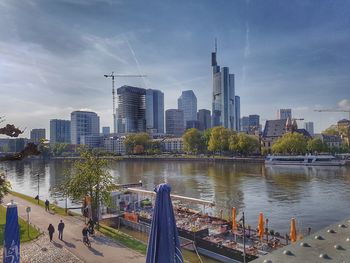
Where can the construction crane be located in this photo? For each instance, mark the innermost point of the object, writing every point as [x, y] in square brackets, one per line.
[113, 76]
[333, 110]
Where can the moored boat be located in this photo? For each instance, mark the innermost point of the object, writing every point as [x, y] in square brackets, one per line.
[304, 160]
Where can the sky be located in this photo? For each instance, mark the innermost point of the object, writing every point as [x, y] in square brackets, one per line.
[284, 54]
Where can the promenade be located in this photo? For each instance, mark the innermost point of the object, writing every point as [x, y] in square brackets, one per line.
[103, 249]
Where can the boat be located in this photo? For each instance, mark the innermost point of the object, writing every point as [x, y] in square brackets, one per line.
[304, 160]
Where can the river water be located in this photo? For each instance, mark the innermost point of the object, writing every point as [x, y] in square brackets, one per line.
[315, 196]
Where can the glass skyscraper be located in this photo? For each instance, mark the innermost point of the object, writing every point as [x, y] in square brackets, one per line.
[154, 111]
[187, 102]
[59, 131]
[84, 123]
[174, 121]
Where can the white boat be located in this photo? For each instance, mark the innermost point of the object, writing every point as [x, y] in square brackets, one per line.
[305, 160]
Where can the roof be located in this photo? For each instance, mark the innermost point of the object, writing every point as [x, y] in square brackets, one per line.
[275, 128]
[331, 138]
[304, 132]
[344, 121]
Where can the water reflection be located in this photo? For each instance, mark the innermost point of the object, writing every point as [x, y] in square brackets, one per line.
[316, 196]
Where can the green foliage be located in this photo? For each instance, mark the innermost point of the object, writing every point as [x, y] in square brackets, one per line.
[89, 177]
[331, 131]
[290, 143]
[316, 145]
[192, 141]
[5, 186]
[243, 143]
[134, 141]
[219, 139]
[58, 149]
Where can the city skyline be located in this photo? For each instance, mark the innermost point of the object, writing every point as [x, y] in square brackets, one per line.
[57, 68]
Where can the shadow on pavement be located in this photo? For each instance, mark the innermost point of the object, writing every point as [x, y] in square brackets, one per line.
[96, 252]
[71, 245]
[57, 244]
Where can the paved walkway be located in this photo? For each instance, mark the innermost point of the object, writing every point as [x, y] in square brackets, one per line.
[103, 249]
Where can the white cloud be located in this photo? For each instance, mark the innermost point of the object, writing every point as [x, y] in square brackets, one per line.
[344, 104]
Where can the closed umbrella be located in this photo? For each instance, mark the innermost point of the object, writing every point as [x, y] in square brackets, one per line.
[11, 252]
[163, 243]
[261, 226]
[293, 230]
[234, 222]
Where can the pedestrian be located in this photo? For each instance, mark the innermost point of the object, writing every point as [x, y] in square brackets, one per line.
[51, 230]
[47, 205]
[60, 230]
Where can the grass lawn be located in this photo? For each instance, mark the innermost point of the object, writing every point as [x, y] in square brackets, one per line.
[124, 239]
[33, 232]
[58, 210]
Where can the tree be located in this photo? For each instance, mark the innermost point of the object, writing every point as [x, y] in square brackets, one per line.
[331, 131]
[247, 144]
[89, 177]
[141, 139]
[58, 149]
[316, 145]
[233, 142]
[192, 141]
[290, 143]
[5, 187]
[219, 139]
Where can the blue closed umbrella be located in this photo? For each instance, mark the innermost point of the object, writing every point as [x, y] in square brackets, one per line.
[163, 243]
[11, 253]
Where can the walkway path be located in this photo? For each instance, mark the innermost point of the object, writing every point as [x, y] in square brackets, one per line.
[103, 249]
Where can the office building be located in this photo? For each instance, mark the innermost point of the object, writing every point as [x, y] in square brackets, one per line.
[154, 111]
[223, 104]
[187, 102]
[192, 124]
[238, 113]
[84, 123]
[204, 119]
[244, 124]
[309, 126]
[114, 144]
[106, 130]
[283, 114]
[131, 112]
[174, 122]
[36, 135]
[59, 131]
[250, 124]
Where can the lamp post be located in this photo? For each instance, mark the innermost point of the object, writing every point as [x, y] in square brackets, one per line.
[38, 187]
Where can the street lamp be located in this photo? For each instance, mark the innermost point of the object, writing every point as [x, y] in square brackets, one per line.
[38, 187]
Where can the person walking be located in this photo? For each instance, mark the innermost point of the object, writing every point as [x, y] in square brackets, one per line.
[51, 230]
[47, 205]
[60, 230]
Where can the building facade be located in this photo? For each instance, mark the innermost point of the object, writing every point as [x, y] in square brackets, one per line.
[174, 122]
[131, 112]
[60, 131]
[192, 124]
[309, 126]
[250, 124]
[106, 130]
[283, 114]
[114, 144]
[84, 123]
[187, 102]
[36, 135]
[223, 105]
[204, 119]
[238, 112]
[154, 111]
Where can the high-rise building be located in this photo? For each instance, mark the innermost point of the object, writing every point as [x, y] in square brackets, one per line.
[223, 107]
[84, 123]
[245, 124]
[154, 111]
[250, 124]
[59, 131]
[174, 122]
[283, 114]
[106, 130]
[131, 112]
[36, 135]
[309, 127]
[187, 102]
[192, 124]
[204, 119]
[238, 112]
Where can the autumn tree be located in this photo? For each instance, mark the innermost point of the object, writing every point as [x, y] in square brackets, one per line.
[219, 140]
[192, 141]
[290, 143]
[134, 141]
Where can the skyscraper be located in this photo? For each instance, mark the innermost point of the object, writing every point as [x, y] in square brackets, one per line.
[174, 122]
[60, 131]
[224, 110]
[204, 119]
[309, 127]
[84, 123]
[106, 130]
[187, 102]
[37, 134]
[245, 124]
[238, 113]
[154, 111]
[283, 114]
[131, 112]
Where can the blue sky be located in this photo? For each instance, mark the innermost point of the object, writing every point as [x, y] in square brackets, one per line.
[53, 55]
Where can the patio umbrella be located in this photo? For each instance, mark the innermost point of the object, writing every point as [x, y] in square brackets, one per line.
[293, 230]
[261, 225]
[11, 252]
[163, 243]
[234, 222]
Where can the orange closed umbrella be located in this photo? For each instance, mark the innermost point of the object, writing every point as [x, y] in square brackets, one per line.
[293, 230]
[234, 223]
[261, 225]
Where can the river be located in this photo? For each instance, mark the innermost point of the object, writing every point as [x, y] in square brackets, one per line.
[315, 196]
